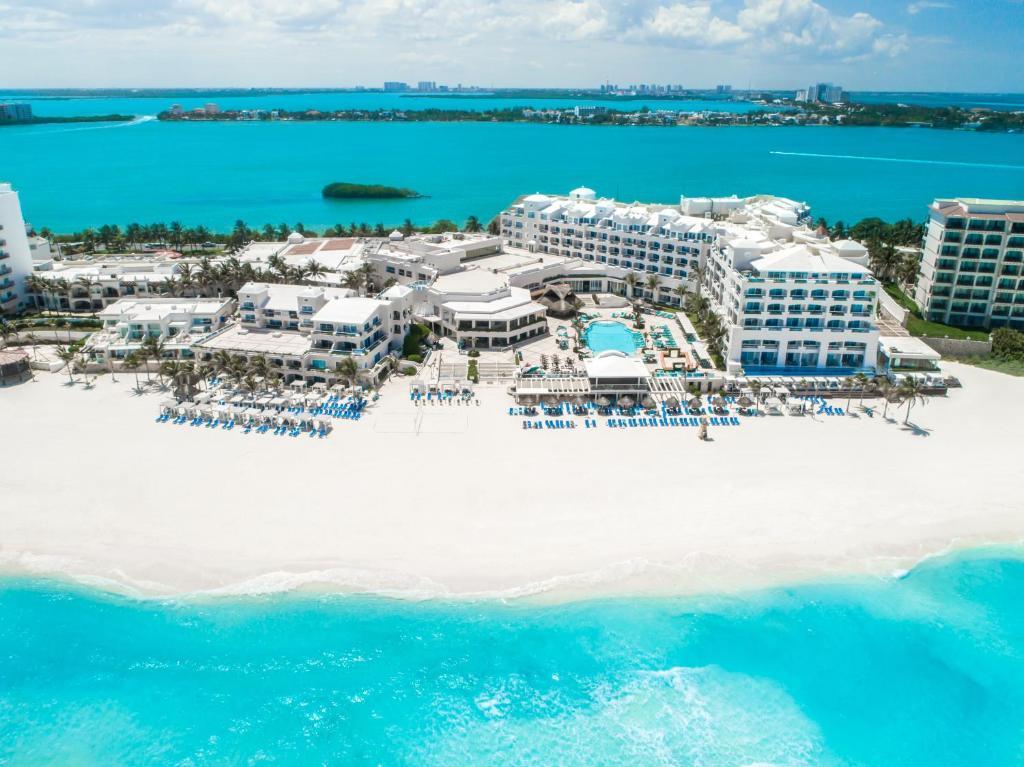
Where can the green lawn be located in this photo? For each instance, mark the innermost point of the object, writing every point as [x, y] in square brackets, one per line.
[919, 326]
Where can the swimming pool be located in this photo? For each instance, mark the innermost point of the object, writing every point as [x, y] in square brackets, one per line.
[607, 335]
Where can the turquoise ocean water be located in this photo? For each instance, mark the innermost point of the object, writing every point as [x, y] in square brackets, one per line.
[74, 176]
[924, 671]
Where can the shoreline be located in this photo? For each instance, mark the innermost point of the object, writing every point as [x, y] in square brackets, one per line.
[472, 507]
[575, 589]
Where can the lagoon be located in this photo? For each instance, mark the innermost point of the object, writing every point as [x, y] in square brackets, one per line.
[74, 176]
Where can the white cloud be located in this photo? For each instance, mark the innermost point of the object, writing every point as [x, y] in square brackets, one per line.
[790, 29]
[924, 5]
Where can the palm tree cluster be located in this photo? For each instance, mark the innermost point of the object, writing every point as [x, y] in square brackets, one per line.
[114, 238]
[707, 322]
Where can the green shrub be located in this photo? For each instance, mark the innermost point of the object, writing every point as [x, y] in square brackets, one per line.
[1007, 342]
[407, 370]
[414, 357]
[474, 352]
[414, 339]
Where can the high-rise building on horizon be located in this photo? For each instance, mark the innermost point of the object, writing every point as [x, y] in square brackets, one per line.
[821, 93]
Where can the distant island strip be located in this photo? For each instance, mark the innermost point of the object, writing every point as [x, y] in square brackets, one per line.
[74, 119]
[342, 190]
[788, 113]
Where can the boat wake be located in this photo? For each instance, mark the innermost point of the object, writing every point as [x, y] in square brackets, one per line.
[908, 160]
[137, 120]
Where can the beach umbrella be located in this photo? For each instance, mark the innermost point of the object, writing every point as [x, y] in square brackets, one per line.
[527, 399]
[672, 403]
[648, 401]
[746, 402]
[578, 399]
[695, 404]
[550, 400]
[603, 401]
[626, 400]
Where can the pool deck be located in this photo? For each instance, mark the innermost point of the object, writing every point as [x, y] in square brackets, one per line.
[656, 358]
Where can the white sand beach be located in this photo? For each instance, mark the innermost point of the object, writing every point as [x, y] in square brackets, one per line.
[460, 501]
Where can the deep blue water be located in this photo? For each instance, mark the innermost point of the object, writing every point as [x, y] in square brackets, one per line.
[922, 671]
[74, 176]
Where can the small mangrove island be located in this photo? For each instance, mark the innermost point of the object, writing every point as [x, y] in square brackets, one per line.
[343, 190]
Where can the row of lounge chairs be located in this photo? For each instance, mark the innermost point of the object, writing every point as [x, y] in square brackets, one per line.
[441, 397]
[631, 423]
[227, 424]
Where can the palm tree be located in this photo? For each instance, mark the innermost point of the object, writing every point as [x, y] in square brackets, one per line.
[133, 362]
[631, 281]
[7, 330]
[887, 390]
[258, 367]
[347, 370]
[755, 387]
[153, 348]
[680, 291]
[653, 282]
[203, 371]
[222, 362]
[861, 382]
[183, 377]
[67, 355]
[911, 392]
[315, 269]
[473, 224]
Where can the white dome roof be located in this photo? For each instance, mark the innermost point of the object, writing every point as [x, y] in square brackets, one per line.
[849, 245]
[536, 198]
[396, 235]
[583, 193]
[295, 238]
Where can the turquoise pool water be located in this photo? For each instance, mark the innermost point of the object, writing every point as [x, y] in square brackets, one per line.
[873, 672]
[611, 336]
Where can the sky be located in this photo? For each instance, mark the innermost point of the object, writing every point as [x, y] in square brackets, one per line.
[929, 45]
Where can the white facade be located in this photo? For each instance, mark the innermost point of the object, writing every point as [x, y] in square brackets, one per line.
[479, 309]
[652, 242]
[801, 306]
[15, 255]
[82, 286]
[972, 269]
[177, 322]
[305, 331]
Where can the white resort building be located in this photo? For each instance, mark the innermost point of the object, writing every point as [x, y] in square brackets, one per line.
[179, 323]
[972, 270]
[660, 246]
[479, 309]
[305, 331]
[84, 286]
[804, 306]
[15, 254]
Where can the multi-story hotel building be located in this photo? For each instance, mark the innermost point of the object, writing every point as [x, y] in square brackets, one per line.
[800, 306]
[647, 241]
[972, 269]
[15, 255]
[479, 309]
[177, 322]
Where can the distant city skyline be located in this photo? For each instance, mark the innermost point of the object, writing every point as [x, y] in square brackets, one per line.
[928, 45]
